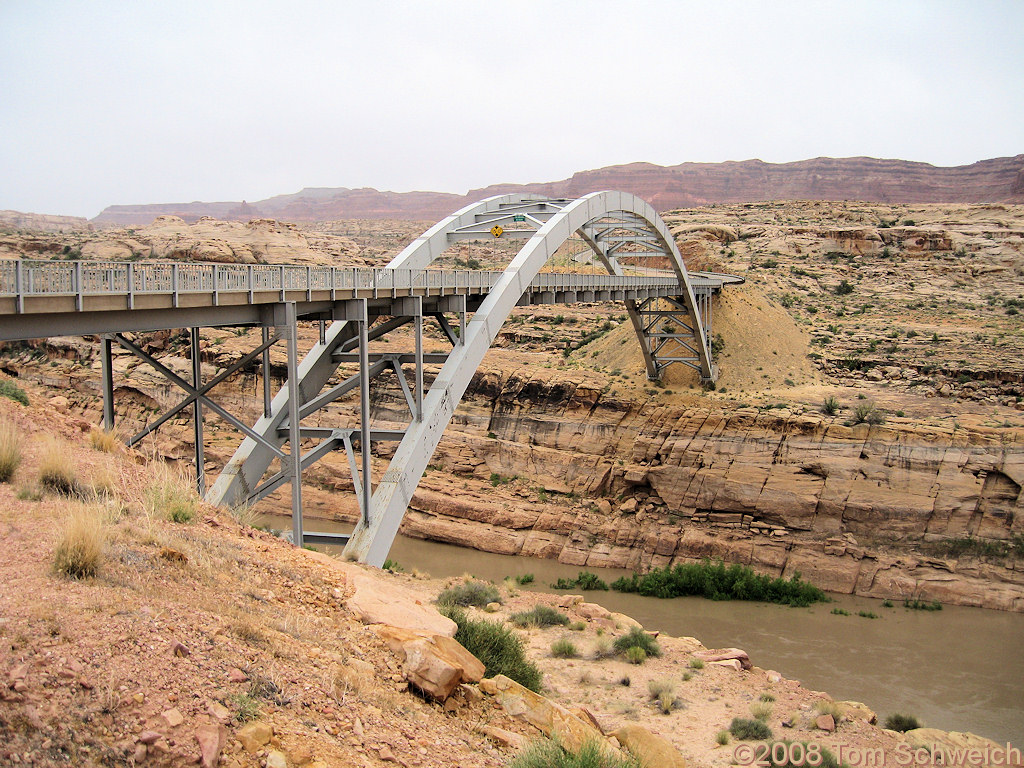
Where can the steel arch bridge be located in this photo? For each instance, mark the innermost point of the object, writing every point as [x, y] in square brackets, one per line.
[669, 308]
[620, 228]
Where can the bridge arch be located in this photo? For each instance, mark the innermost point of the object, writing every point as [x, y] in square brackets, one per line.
[374, 533]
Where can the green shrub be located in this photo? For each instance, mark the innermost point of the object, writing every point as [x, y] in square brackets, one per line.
[830, 406]
[637, 638]
[844, 288]
[524, 579]
[498, 647]
[247, 707]
[887, 604]
[867, 614]
[866, 413]
[564, 648]
[901, 723]
[577, 626]
[696, 664]
[746, 729]
[636, 655]
[392, 566]
[539, 616]
[922, 605]
[475, 593]
[722, 738]
[717, 582]
[547, 753]
[12, 391]
[840, 612]
[10, 450]
[583, 580]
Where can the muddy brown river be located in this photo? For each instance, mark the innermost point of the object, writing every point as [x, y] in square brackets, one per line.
[959, 669]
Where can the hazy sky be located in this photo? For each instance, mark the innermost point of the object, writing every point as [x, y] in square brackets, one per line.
[145, 102]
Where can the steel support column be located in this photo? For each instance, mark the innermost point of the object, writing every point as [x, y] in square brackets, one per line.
[108, 383]
[364, 414]
[197, 413]
[295, 442]
[265, 370]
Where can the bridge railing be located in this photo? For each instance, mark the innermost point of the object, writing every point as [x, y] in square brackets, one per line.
[33, 278]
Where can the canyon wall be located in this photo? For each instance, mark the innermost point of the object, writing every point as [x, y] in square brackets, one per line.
[999, 180]
[552, 468]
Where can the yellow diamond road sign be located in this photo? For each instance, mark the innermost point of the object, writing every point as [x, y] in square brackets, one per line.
[497, 231]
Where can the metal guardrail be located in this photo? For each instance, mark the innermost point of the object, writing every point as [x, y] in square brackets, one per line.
[20, 277]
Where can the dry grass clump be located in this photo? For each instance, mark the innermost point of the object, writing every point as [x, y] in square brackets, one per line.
[10, 450]
[80, 544]
[104, 440]
[171, 497]
[56, 470]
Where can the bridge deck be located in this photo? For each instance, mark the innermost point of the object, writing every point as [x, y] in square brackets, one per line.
[48, 298]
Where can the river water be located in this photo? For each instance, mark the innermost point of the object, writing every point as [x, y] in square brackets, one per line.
[958, 669]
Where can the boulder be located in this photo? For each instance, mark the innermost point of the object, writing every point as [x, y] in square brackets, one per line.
[376, 603]
[212, 739]
[854, 710]
[825, 723]
[254, 735]
[651, 750]
[554, 720]
[593, 611]
[725, 654]
[435, 664]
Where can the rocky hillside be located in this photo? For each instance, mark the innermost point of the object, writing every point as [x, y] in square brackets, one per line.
[1000, 180]
[139, 627]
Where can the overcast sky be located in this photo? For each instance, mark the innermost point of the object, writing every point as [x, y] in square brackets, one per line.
[145, 102]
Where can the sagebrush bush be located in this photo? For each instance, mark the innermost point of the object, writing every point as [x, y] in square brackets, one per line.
[548, 753]
[499, 648]
[80, 544]
[475, 593]
[564, 648]
[56, 471]
[13, 392]
[746, 729]
[637, 638]
[10, 450]
[902, 723]
[539, 616]
[171, 497]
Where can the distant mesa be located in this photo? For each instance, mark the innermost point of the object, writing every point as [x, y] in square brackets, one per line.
[1000, 180]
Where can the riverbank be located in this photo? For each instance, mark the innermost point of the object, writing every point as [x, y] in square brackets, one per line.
[899, 662]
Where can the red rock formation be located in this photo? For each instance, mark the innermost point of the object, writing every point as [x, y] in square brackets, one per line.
[1000, 180]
